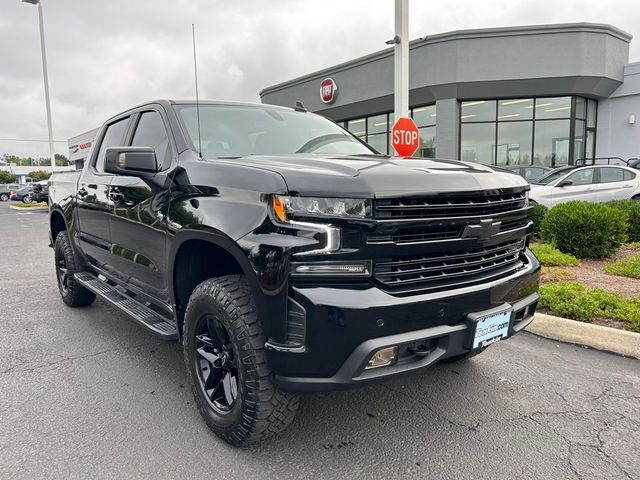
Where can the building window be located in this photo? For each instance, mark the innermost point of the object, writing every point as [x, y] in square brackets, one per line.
[425, 118]
[376, 130]
[551, 131]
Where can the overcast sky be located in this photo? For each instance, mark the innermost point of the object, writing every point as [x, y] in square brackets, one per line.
[105, 56]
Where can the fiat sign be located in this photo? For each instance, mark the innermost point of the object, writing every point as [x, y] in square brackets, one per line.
[328, 90]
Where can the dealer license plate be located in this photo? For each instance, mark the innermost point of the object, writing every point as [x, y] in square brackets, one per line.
[491, 328]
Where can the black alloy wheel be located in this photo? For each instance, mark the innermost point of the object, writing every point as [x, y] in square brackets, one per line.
[63, 274]
[216, 364]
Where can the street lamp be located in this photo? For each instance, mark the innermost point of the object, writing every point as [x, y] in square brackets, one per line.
[46, 80]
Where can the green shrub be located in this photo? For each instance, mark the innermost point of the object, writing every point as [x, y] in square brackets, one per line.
[586, 230]
[574, 300]
[628, 267]
[632, 209]
[537, 215]
[552, 257]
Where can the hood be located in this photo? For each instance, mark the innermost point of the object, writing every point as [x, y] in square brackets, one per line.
[375, 176]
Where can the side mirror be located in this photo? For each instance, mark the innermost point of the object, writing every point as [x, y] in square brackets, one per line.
[133, 161]
[565, 183]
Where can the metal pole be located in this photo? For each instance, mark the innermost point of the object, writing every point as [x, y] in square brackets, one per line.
[401, 59]
[46, 87]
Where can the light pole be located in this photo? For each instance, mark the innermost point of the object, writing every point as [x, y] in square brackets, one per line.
[46, 80]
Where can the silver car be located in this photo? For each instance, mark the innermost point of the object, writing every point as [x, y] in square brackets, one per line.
[600, 183]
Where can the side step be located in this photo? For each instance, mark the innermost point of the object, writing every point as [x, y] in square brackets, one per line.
[142, 314]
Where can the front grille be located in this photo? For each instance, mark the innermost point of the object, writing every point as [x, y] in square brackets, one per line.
[451, 206]
[464, 266]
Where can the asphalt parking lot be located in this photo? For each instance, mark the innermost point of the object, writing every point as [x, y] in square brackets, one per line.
[85, 393]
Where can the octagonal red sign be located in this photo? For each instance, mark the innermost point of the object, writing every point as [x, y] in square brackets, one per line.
[405, 137]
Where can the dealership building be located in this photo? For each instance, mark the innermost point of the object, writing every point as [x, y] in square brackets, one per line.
[546, 94]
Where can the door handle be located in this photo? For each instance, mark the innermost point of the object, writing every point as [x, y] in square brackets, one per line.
[627, 186]
[83, 192]
[590, 189]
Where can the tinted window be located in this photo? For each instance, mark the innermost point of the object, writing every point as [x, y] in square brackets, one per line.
[629, 175]
[113, 137]
[581, 177]
[611, 175]
[150, 132]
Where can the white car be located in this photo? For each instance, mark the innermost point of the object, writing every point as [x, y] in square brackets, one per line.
[599, 183]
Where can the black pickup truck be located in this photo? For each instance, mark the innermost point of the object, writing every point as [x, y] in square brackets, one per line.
[286, 255]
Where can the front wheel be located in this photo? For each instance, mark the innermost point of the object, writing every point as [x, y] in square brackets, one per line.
[4, 197]
[72, 293]
[226, 364]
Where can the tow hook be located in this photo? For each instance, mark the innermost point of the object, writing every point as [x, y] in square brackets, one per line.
[420, 350]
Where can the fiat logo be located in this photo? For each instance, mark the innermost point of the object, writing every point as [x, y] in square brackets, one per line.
[328, 90]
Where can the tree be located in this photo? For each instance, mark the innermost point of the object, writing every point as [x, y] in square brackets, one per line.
[61, 160]
[6, 177]
[38, 175]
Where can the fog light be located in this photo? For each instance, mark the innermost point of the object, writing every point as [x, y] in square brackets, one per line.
[383, 358]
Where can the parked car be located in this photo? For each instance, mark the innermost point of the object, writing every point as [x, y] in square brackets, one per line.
[592, 184]
[286, 255]
[529, 172]
[40, 192]
[22, 194]
[5, 191]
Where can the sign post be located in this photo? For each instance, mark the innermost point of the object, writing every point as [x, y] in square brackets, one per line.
[405, 137]
[401, 59]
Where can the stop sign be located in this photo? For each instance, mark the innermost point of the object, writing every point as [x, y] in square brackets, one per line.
[405, 137]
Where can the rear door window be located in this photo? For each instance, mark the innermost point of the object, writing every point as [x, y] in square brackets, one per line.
[609, 175]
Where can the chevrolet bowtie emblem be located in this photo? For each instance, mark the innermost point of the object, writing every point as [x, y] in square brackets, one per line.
[484, 230]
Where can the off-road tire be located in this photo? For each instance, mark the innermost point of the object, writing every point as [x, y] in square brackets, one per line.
[74, 295]
[261, 409]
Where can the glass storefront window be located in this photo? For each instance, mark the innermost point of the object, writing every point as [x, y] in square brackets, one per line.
[377, 124]
[581, 108]
[556, 107]
[427, 147]
[590, 146]
[514, 143]
[578, 140]
[515, 109]
[478, 111]
[357, 127]
[592, 105]
[477, 142]
[424, 116]
[551, 145]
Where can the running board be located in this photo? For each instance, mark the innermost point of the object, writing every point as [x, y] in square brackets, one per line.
[145, 316]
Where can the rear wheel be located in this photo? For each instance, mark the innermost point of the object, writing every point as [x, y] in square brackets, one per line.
[225, 360]
[72, 293]
[4, 197]
[26, 199]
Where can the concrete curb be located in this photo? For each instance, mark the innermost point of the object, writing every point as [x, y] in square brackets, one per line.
[608, 339]
[29, 209]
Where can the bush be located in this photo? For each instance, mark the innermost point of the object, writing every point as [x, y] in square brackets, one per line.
[586, 230]
[537, 215]
[574, 300]
[551, 256]
[631, 208]
[628, 267]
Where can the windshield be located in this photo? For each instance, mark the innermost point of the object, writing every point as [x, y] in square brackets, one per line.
[237, 131]
[552, 176]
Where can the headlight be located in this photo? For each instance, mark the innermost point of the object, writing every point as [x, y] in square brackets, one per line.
[285, 207]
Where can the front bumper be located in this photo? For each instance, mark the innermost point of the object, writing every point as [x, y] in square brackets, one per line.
[346, 326]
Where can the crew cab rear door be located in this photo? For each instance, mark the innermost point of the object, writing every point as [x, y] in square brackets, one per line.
[93, 205]
[138, 232]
